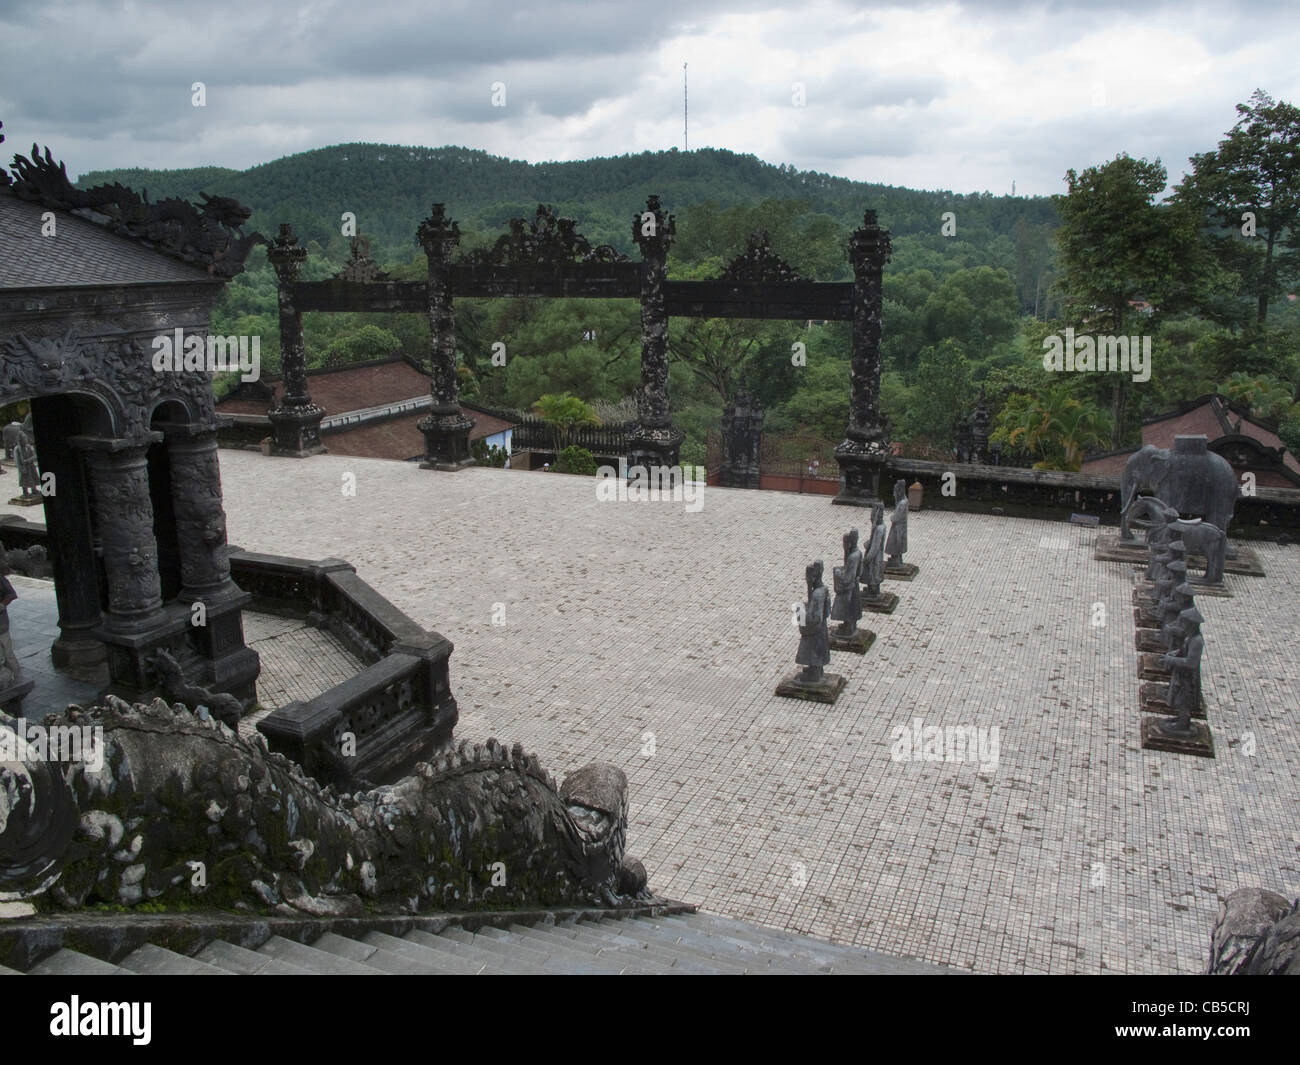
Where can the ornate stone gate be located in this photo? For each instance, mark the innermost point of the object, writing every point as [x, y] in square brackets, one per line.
[548, 257]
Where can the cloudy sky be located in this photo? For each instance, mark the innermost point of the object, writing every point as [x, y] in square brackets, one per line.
[961, 96]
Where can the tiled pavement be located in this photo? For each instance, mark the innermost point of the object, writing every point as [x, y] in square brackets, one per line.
[643, 635]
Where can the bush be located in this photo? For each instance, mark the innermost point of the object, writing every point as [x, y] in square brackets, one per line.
[575, 460]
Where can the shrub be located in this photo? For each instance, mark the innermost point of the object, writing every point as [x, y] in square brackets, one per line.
[575, 460]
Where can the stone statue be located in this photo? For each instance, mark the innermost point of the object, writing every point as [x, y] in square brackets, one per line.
[1185, 676]
[1257, 933]
[814, 653]
[874, 561]
[896, 544]
[29, 476]
[848, 600]
[873, 566]
[10, 671]
[814, 640]
[284, 843]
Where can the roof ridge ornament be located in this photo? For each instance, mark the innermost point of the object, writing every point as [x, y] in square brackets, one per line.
[361, 267]
[207, 235]
[759, 262]
[547, 239]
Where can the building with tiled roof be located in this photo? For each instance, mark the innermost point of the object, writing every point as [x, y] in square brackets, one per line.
[372, 410]
[1251, 446]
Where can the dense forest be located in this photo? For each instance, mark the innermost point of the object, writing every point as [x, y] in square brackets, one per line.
[974, 285]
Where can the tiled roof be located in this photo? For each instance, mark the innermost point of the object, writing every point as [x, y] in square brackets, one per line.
[80, 254]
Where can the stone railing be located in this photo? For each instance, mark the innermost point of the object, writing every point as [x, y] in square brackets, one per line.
[373, 727]
[533, 434]
[1267, 515]
[370, 729]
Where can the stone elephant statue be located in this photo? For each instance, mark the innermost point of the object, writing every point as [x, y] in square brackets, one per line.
[1190, 478]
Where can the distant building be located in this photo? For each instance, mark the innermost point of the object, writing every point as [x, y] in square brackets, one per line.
[1251, 446]
[371, 410]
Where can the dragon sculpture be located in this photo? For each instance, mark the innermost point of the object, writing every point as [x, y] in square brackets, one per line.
[1257, 934]
[181, 810]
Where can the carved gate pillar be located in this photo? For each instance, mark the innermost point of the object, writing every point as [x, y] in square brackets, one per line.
[295, 422]
[215, 602]
[70, 545]
[742, 435]
[135, 622]
[445, 428]
[865, 449]
[653, 440]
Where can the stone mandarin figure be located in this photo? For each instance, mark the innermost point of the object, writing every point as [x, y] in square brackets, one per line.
[814, 639]
[848, 595]
[896, 544]
[873, 573]
[29, 476]
[1185, 676]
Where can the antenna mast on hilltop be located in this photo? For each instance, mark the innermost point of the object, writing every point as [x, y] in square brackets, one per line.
[686, 121]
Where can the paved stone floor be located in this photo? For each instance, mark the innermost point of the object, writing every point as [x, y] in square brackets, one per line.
[650, 637]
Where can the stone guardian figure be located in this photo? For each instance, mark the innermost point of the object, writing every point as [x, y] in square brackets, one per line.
[814, 652]
[896, 543]
[873, 566]
[847, 609]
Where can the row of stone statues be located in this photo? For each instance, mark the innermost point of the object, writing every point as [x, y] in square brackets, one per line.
[857, 585]
[1169, 635]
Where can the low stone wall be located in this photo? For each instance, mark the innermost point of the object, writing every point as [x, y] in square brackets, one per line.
[1270, 514]
[372, 728]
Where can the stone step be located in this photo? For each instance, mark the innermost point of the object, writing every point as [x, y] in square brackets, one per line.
[153, 960]
[802, 952]
[841, 957]
[316, 961]
[9, 972]
[563, 945]
[245, 962]
[457, 941]
[352, 949]
[680, 961]
[445, 958]
[755, 961]
[681, 948]
[551, 958]
[65, 962]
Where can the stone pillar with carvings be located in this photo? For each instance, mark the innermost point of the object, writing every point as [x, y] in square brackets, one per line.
[214, 601]
[653, 440]
[742, 435]
[134, 622]
[863, 453]
[445, 428]
[979, 431]
[295, 421]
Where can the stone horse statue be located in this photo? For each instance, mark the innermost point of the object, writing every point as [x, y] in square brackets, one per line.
[1200, 536]
[1190, 478]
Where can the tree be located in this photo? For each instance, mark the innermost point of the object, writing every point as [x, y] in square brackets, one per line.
[1116, 244]
[564, 413]
[1256, 171]
[1056, 425]
[940, 394]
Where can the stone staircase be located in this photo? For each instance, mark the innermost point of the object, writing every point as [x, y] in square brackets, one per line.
[667, 944]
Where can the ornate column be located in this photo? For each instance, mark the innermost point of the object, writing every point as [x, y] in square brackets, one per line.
[445, 428]
[227, 664]
[742, 434]
[71, 546]
[653, 440]
[134, 623]
[295, 421]
[865, 449]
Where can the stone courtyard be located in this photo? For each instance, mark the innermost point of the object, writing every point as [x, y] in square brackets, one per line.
[652, 637]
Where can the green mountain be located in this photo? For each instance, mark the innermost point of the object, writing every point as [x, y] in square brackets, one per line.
[390, 189]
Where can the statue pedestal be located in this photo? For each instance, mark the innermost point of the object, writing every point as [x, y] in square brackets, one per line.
[1110, 548]
[861, 460]
[446, 440]
[11, 698]
[884, 603]
[1218, 590]
[296, 431]
[826, 690]
[1199, 742]
[1155, 700]
[856, 644]
[904, 572]
[1145, 618]
[26, 501]
[1149, 640]
[1149, 668]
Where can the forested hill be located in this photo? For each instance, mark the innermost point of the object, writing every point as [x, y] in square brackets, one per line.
[390, 188]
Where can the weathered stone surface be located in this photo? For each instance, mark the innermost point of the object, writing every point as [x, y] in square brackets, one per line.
[478, 827]
[1246, 918]
[1196, 739]
[825, 689]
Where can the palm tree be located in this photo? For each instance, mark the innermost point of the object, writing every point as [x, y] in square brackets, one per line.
[564, 413]
[1057, 426]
